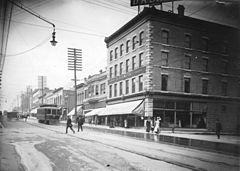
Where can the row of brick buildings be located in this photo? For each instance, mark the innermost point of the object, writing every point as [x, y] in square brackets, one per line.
[167, 65]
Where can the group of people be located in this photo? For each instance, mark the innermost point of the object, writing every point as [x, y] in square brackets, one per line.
[153, 127]
[80, 121]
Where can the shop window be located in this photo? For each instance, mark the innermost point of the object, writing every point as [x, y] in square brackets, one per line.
[164, 82]
[187, 85]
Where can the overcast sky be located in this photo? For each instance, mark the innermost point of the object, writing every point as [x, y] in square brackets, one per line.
[81, 24]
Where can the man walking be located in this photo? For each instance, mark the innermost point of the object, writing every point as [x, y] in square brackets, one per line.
[69, 125]
[80, 122]
[218, 128]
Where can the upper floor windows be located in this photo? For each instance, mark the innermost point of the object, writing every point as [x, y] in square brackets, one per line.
[133, 85]
[188, 41]
[204, 86]
[127, 65]
[224, 88]
[102, 88]
[127, 86]
[121, 49]
[110, 91]
[111, 55]
[205, 44]
[141, 38]
[205, 64]
[164, 82]
[164, 58]
[140, 60]
[127, 46]
[120, 88]
[134, 42]
[115, 90]
[116, 53]
[165, 36]
[115, 70]
[133, 62]
[110, 72]
[187, 61]
[121, 68]
[140, 86]
[186, 85]
[225, 66]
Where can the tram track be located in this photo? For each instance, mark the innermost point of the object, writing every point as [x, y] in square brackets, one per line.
[142, 154]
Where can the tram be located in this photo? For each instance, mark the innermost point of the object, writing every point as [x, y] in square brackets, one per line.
[48, 114]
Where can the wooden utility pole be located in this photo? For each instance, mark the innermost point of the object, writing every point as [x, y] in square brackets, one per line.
[75, 64]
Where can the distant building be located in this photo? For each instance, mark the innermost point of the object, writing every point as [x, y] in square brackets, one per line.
[184, 70]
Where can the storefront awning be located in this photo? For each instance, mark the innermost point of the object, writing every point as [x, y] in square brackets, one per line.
[98, 111]
[34, 110]
[122, 108]
[73, 111]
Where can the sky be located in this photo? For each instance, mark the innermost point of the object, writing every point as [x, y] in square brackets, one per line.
[81, 24]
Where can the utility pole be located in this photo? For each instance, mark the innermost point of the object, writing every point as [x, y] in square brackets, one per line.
[75, 64]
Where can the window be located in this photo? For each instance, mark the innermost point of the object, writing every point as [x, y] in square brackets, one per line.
[204, 86]
[102, 91]
[127, 65]
[110, 91]
[187, 61]
[133, 62]
[225, 66]
[115, 70]
[127, 46]
[110, 72]
[165, 36]
[140, 60]
[141, 38]
[187, 85]
[164, 82]
[188, 42]
[120, 88]
[116, 53]
[115, 90]
[121, 49]
[111, 55]
[133, 85]
[127, 86]
[134, 42]
[225, 47]
[164, 56]
[205, 64]
[224, 88]
[140, 86]
[205, 44]
[121, 68]
[96, 90]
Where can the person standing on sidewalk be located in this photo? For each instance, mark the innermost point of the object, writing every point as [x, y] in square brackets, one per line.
[148, 125]
[80, 121]
[218, 128]
[69, 125]
[156, 124]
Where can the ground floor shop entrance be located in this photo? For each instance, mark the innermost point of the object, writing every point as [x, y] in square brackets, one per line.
[180, 114]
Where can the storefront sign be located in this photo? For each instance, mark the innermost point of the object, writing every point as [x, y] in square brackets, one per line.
[148, 2]
[127, 75]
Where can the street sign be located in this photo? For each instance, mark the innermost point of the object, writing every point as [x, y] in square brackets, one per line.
[149, 2]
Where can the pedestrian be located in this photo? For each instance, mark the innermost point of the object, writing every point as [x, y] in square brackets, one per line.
[69, 125]
[80, 121]
[148, 125]
[218, 128]
[156, 124]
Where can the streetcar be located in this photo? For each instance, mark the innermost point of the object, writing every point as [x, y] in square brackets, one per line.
[48, 114]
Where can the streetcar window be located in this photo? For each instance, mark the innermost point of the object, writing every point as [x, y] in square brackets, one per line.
[54, 112]
[48, 111]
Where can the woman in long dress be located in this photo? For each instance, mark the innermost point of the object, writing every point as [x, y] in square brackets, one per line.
[156, 128]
